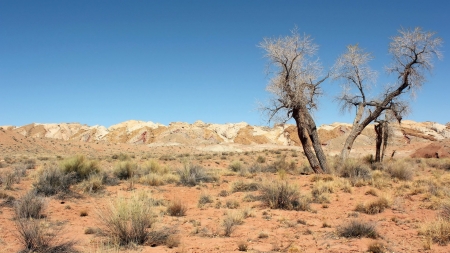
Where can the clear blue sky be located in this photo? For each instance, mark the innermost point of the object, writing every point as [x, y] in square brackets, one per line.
[104, 62]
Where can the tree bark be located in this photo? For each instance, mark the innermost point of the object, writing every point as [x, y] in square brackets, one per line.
[314, 137]
[302, 134]
[379, 140]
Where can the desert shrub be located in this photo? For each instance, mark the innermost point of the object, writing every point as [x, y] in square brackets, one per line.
[261, 159]
[241, 186]
[232, 204]
[9, 179]
[93, 184]
[152, 166]
[230, 221]
[51, 181]
[250, 198]
[377, 247]
[177, 208]
[127, 221]
[281, 195]
[400, 170]
[438, 231]
[280, 165]
[357, 173]
[374, 207]
[223, 193]
[235, 166]
[445, 211]
[242, 246]
[30, 205]
[30, 164]
[192, 175]
[121, 157]
[163, 236]
[40, 239]
[255, 168]
[167, 158]
[204, 199]
[125, 170]
[358, 228]
[320, 188]
[81, 166]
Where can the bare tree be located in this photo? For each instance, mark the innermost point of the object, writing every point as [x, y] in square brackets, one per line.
[412, 52]
[295, 88]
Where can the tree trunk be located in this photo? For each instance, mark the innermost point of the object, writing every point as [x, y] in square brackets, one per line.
[356, 130]
[379, 140]
[385, 139]
[314, 137]
[313, 162]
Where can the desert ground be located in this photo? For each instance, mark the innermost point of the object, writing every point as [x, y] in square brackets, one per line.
[141, 187]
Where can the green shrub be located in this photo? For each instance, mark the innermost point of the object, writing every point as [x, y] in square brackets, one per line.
[81, 166]
[125, 170]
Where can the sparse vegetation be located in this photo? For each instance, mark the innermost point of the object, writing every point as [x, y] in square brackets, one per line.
[358, 228]
[281, 195]
[30, 205]
[177, 208]
[125, 170]
[192, 175]
[81, 166]
[52, 180]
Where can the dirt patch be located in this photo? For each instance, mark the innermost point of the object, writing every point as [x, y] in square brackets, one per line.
[433, 150]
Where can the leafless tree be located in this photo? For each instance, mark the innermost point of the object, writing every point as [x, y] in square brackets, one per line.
[295, 87]
[412, 54]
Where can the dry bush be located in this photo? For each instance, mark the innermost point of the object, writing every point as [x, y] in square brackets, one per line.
[163, 236]
[34, 237]
[9, 179]
[204, 199]
[125, 170]
[81, 166]
[377, 247]
[374, 207]
[232, 204]
[261, 159]
[235, 166]
[358, 228]
[320, 188]
[380, 179]
[230, 221]
[400, 170]
[280, 165]
[241, 186]
[192, 175]
[152, 166]
[281, 195]
[51, 181]
[438, 231]
[30, 205]
[177, 208]
[358, 173]
[242, 246]
[94, 184]
[154, 179]
[121, 157]
[127, 221]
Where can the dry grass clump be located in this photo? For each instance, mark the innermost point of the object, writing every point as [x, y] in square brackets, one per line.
[230, 221]
[374, 207]
[380, 179]
[81, 166]
[125, 170]
[358, 228]
[279, 194]
[35, 237]
[51, 181]
[177, 208]
[152, 166]
[192, 175]
[241, 186]
[235, 166]
[358, 173]
[121, 157]
[127, 221]
[261, 159]
[94, 184]
[204, 199]
[320, 191]
[232, 204]
[30, 205]
[280, 165]
[438, 231]
[377, 247]
[400, 170]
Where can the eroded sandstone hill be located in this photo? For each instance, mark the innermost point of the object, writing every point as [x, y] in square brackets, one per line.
[180, 133]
